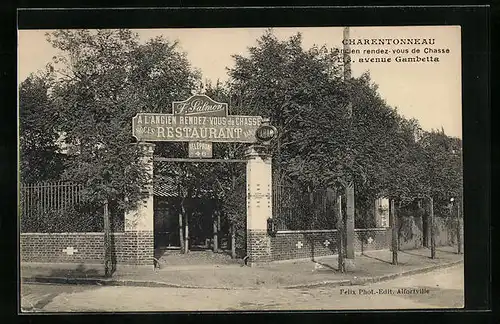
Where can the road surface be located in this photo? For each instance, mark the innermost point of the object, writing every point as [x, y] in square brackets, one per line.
[438, 289]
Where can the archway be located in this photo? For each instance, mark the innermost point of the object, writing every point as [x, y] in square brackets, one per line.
[201, 121]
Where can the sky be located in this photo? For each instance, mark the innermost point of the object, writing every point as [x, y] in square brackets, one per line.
[427, 91]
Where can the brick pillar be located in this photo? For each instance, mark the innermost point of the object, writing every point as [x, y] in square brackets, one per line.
[259, 206]
[139, 224]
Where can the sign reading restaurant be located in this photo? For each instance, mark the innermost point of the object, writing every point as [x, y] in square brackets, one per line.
[197, 119]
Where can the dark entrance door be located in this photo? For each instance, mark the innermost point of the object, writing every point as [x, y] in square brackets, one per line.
[201, 222]
[201, 212]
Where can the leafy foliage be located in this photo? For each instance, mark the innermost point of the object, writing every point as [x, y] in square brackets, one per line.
[333, 130]
[104, 78]
[39, 156]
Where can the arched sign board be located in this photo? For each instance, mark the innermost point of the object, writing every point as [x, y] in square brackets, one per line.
[197, 119]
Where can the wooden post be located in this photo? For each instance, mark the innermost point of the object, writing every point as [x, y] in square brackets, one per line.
[181, 231]
[394, 228]
[107, 241]
[233, 230]
[219, 235]
[233, 242]
[459, 229]
[340, 236]
[433, 239]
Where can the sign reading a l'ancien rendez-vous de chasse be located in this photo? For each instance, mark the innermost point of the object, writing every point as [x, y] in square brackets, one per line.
[197, 119]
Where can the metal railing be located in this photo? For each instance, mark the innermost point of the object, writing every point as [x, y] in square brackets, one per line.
[48, 196]
[297, 209]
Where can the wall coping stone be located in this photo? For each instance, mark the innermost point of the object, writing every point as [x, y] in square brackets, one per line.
[330, 230]
[72, 233]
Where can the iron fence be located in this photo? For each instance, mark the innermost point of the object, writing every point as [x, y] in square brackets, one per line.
[55, 207]
[48, 196]
[297, 208]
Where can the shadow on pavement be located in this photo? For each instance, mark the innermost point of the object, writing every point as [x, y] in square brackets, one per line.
[375, 258]
[79, 272]
[416, 254]
[326, 265]
[447, 251]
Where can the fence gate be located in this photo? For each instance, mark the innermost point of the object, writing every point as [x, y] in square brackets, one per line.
[299, 208]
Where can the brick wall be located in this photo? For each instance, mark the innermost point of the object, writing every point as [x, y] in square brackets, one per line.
[372, 239]
[303, 244]
[127, 247]
[138, 247]
[259, 246]
[287, 245]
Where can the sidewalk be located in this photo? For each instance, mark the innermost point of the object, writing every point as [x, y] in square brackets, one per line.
[371, 267]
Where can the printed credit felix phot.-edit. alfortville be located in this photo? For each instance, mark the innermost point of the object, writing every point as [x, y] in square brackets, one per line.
[296, 168]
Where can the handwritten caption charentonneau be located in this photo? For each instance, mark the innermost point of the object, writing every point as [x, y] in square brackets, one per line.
[393, 50]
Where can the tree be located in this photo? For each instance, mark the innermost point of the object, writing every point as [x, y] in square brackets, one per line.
[332, 130]
[104, 78]
[281, 81]
[39, 155]
[328, 128]
[443, 177]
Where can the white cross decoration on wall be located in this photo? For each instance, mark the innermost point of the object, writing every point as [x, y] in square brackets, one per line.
[326, 243]
[370, 240]
[299, 245]
[69, 250]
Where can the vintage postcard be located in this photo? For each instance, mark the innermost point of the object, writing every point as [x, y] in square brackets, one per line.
[240, 169]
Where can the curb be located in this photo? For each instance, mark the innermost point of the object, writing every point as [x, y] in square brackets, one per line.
[326, 283]
[122, 282]
[367, 280]
[152, 283]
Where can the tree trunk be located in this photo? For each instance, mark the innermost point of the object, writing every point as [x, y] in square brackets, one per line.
[219, 235]
[340, 230]
[181, 231]
[349, 224]
[433, 239]
[233, 242]
[215, 243]
[186, 233]
[107, 241]
[394, 228]
[233, 229]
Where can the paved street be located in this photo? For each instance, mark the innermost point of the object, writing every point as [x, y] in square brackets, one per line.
[439, 289]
